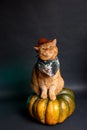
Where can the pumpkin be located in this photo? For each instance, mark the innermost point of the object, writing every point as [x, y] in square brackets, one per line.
[51, 112]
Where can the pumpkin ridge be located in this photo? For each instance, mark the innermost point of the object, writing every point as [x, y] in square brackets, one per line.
[63, 114]
[67, 91]
[34, 108]
[46, 109]
[32, 100]
[59, 110]
[41, 112]
[68, 106]
[52, 112]
[70, 101]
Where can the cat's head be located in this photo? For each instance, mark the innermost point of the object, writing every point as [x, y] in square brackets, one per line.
[47, 49]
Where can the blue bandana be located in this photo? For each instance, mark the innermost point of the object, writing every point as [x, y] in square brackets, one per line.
[49, 67]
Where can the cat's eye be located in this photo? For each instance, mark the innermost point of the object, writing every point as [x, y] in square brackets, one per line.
[51, 46]
[43, 48]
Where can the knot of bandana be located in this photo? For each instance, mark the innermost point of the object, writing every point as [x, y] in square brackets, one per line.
[48, 67]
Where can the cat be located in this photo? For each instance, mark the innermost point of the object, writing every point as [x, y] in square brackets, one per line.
[46, 78]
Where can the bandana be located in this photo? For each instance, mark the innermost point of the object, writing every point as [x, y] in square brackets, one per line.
[49, 67]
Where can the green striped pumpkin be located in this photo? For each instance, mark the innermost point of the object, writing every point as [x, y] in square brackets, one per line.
[52, 112]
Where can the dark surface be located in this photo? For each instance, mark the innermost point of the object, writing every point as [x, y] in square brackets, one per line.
[22, 23]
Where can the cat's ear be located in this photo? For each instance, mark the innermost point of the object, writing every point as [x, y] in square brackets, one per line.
[54, 41]
[36, 48]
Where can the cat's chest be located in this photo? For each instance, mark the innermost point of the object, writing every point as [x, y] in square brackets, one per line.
[45, 78]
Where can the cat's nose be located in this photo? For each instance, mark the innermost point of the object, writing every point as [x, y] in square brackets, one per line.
[46, 51]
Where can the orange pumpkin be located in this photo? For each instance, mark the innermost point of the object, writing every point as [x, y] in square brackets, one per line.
[52, 112]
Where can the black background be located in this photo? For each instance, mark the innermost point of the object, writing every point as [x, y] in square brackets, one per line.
[22, 24]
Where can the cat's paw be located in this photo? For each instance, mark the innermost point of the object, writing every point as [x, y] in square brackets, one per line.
[52, 96]
[44, 95]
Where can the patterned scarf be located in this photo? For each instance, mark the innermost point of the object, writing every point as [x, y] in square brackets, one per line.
[48, 67]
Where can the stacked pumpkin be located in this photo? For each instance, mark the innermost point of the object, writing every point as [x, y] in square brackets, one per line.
[52, 112]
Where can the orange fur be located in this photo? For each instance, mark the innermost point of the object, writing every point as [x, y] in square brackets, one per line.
[42, 84]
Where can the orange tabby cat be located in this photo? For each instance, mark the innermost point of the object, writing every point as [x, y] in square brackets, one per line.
[46, 77]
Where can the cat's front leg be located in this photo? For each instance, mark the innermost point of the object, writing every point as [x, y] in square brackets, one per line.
[52, 94]
[43, 92]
